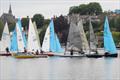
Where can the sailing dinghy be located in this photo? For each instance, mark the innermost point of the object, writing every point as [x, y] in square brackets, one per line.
[93, 53]
[76, 40]
[109, 45]
[20, 47]
[51, 45]
[5, 42]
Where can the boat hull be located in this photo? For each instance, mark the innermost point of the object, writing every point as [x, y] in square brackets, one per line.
[110, 55]
[4, 54]
[71, 56]
[94, 56]
[49, 54]
[24, 56]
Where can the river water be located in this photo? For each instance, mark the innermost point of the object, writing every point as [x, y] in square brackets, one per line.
[58, 68]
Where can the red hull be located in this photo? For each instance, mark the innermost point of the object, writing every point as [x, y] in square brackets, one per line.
[49, 53]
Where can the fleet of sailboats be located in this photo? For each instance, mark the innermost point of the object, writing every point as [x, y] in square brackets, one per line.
[32, 42]
[22, 47]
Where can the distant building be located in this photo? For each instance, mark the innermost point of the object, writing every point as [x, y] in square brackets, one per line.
[8, 17]
[117, 11]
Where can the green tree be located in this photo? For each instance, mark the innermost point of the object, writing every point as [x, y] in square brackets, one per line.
[94, 8]
[39, 19]
[11, 26]
[85, 9]
[1, 27]
[74, 9]
[25, 23]
[61, 28]
[117, 23]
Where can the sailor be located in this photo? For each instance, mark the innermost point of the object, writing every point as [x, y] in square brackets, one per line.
[41, 51]
[37, 52]
[32, 51]
[25, 51]
[81, 52]
[7, 49]
[96, 52]
[71, 52]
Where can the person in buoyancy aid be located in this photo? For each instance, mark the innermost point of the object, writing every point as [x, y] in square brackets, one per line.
[37, 52]
[41, 51]
[71, 52]
[81, 51]
[25, 51]
[7, 49]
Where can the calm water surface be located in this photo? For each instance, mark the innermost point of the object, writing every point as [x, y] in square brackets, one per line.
[56, 68]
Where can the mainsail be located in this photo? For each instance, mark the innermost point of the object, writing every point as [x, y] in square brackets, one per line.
[51, 41]
[5, 40]
[74, 40]
[18, 40]
[37, 34]
[85, 45]
[33, 42]
[109, 44]
[46, 41]
[92, 38]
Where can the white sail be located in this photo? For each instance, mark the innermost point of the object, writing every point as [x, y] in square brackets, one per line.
[37, 34]
[85, 45]
[20, 41]
[46, 41]
[5, 40]
[33, 42]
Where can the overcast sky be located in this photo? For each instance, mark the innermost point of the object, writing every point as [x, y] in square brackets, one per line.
[48, 8]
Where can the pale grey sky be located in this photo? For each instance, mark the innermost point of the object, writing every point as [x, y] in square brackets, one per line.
[48, 8]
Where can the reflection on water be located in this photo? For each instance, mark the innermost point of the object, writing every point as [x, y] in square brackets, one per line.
[56, 68]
